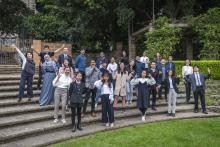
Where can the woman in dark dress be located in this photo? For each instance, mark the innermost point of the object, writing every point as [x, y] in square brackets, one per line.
[143, 84]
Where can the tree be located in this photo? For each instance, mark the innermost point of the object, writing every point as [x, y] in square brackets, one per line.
[207, 27]
[162, 39]
[12, 13]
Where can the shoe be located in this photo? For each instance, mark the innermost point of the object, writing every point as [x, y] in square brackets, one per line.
[63, 121]
[143, 118]
[93, 114]
[205, 112]
[195, 111]
[112, 125]
[79, 128]
[82, 115]
[187, 101]
[153, 108]
[173, 115]
[127, 102]
[169, 114]
[130, 102]
[74, 129]
[107, 124]
[29, 99]
[19, 100]
[96, 105]
[55, 120]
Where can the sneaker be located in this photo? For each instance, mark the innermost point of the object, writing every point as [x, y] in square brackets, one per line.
[130, 102]
[107, 124]
[143, 118]
[127, 102]
[63, 121]
[29, 99]
[112, 125]
[96, 105]
[55, 120]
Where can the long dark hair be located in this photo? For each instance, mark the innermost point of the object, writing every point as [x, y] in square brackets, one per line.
[119, 69]
[109, 80]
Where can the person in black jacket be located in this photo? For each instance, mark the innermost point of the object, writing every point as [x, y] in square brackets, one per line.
[76, 91]
[65, 56]
[153, 89]
[171, 84]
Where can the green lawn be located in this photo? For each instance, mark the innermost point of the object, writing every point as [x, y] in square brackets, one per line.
[204, 132]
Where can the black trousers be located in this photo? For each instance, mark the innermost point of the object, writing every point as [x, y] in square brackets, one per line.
[76, 110]
[88, 93]
[25, 77]
[199, 92]
[107, 109]
[163, 86]
[188, 89]
[153, 91]
[143, 110]
[39, 77]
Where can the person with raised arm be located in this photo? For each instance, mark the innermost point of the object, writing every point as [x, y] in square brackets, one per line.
[106, 87]
[27, 74]
[41, 54]
[143, 84]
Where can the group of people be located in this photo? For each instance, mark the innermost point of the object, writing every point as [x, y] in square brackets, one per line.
[106, 81]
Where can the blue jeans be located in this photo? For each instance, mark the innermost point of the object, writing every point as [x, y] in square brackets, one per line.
[98, 94]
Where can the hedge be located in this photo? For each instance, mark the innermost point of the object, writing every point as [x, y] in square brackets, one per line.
[214, 66]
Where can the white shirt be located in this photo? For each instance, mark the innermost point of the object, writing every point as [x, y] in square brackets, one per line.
[150, 81]
[187, 70]
[145, 60]
[198, 79]
[171, 83]
[112, 67]
[23, 58]
[63, 82]
[105, 89]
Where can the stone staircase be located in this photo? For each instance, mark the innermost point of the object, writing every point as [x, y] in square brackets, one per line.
[28, 124]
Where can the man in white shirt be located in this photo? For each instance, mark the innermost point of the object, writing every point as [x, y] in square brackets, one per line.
[112, 66]
[144, 59]
[187, 70]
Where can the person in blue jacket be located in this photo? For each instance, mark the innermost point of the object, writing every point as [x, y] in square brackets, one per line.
[139, 66]
[80, 64]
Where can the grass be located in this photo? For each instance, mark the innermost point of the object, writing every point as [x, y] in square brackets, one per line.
[203, 132]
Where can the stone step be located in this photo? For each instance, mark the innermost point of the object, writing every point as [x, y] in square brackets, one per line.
[14, 82]
[7, 77]
[64, 134]
[14, 88]
[14, 94]
[35, 107]
[13, 101]
[36, 113]
[20, 131]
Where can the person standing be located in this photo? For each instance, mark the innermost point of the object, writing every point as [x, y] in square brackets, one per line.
[187, 70]
[144, 59]
[143, 84]
[76, 92]
[107, 95]
[153, 88]
[80, 64]
[124, 58]
[92, 74]
[49, 70]
[170, 65]
[129, 87]
[171, 84]
[101, 59]
[65, 56]
[139, 66]
[46, 51]
[112, 68]
[61, 84]
[197, 80]
[121, 77]
[161, 80]
[27, 74]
